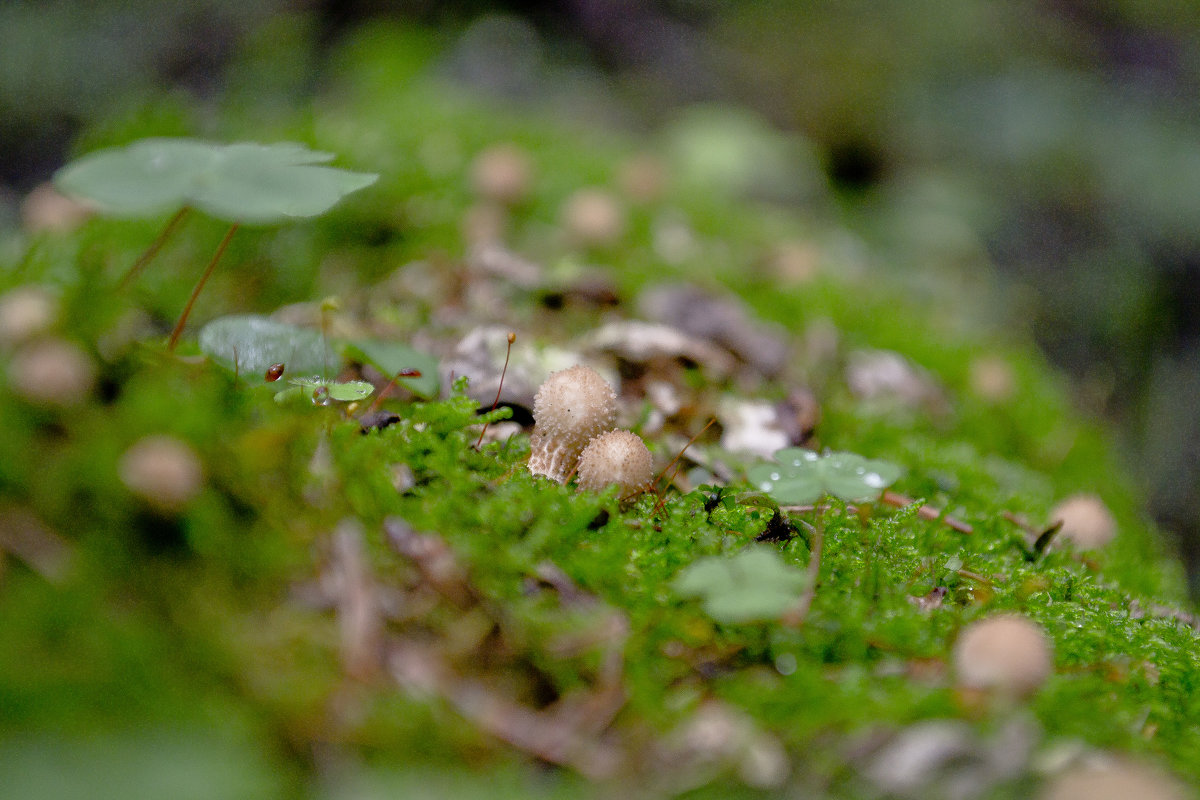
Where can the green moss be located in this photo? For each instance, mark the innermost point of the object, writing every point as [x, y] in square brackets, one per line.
[207, 616]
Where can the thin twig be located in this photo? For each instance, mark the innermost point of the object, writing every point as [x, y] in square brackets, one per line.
[187, 310]
[662, 497]
[407, 372]
[925, 512]
[151, 251]
[512, 337]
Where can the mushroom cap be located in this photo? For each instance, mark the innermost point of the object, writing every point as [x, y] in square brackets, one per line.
[163, 470]
[574, 405]
[1006, 653]
[52, 372]
[616, 457]
[1086, 521]
[1114, 780]
[571, 407]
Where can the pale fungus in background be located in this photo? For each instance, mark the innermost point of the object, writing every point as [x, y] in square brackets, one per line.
[593, 218]
[45, 209]
[503, 174]
[1008, 654]
[1113, 780]
[52, 372]
[992, 379]
[616, 458]
[26, 312]
[571, 407]
[1086, 522]
[163, 471]
[643, 178]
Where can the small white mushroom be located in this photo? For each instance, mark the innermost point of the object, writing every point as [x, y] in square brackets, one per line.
[571, 407]
[163, 471]
[616, 458]
[26, 312]
[1008, 654]
[1086, 521]
[593, 218]
[502, 174]
[52, 372]
[1113, 780]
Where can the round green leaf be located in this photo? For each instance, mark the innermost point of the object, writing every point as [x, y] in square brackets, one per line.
[265, 184]
[751, 586]
[243, 182]
[253, 343]
[148, 177]
[391, 357]
[799, 477]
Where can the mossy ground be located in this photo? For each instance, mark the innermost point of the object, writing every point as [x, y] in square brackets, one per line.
[206, 633]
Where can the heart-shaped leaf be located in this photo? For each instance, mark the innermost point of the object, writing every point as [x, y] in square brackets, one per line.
[391, 357]
[246, 183]
[254, 343]
[801, 476]
[753, 585]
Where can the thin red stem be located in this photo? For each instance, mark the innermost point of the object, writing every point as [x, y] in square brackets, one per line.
[407, 372]
[187, 310]
[146, 257]
[512, 337]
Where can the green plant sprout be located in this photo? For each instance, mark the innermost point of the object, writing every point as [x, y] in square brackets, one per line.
[241, 183]
[323, 392]
[252, 344]
[801, 476]
[752, 586]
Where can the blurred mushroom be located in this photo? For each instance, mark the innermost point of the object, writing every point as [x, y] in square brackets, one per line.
[1086, 522]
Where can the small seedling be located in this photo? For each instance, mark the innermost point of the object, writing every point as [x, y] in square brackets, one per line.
[241, 183]
[324, 392]
[754, 585]
[801, 476]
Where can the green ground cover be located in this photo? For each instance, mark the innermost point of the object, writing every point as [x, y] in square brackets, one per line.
[389, 612]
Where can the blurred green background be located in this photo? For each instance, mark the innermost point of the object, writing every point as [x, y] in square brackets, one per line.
[1044, 154]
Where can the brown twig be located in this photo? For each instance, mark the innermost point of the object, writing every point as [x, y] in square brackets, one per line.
[151, 251]
[662, 493]
[187, 310]
[925, 512]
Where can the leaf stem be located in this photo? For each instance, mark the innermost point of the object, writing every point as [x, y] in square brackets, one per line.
[187, 310]
[151, 251]
[795, 618]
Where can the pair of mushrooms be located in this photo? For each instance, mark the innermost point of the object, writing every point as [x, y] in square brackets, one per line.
[574, 416]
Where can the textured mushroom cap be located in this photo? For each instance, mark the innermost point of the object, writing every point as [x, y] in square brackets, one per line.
[571, 407]
[1086, 521]
[1006, 653]
[616, 457]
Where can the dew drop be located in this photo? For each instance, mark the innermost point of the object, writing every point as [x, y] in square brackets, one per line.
[874, 480]
[767, 486]
[774, 476]
[320, 396]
